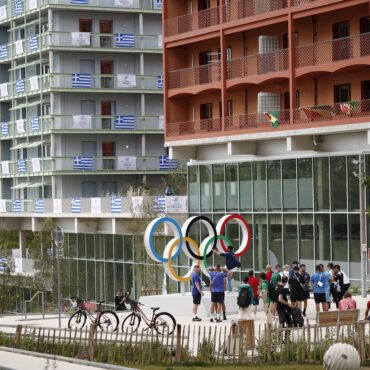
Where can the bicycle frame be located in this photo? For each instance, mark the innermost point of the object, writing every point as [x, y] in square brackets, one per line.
[90, 315]
[140, 312]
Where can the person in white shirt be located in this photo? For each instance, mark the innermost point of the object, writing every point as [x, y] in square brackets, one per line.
[346, 281]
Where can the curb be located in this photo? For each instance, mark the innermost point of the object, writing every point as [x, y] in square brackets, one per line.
[65, 359]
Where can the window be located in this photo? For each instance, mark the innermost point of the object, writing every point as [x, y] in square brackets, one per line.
[88, 189]
[206, 111]
[365, 90]
[108, 150]
[229, 53]
[342, 93]
[85, 25]
[341, 47]
[106, 26]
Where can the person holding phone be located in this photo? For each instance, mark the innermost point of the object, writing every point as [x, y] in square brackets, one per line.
[320, 281]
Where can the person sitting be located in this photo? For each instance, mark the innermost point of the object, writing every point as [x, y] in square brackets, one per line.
[119, 301]
[347, 303]
[169, 190]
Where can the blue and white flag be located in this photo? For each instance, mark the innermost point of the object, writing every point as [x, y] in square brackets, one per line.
[3, 263]
[167, 164]
[124, 40]
[160, 82]
[21, 164]
[82, 163]
[4, 128]
[116, 205]
[19, 86]
[39, 206]
[49, 252]
[76, 205]
[81, 80]
[157, 4]
[18, 7]
[3, 51]
[33, 43]
[17, 205]
[35, 125]
[80, 2]
[125, 122]
[159, 205]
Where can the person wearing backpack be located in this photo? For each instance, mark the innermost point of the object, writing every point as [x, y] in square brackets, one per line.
[267, 290]
[297, 285]
[245, 299]
[283, 307]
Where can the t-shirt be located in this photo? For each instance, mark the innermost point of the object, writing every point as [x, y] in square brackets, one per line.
[217, 281]
[275, 278]
[307, 278]
[118, 304]
[254, 283]
[265, 287]
[295, 283]
[231, 261]
[320, 277]
[347, 304]
[195, 279]
[285, 292]
[268, 275]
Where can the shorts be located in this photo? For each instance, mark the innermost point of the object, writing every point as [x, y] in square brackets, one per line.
[306, 294]
[296, 298]
[256, 301]
[319, 297]
[217, 297]
[197, 298]
[285, 318]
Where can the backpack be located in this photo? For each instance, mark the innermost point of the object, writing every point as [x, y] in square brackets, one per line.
[244, 298]
[272, 292]
[297, 317]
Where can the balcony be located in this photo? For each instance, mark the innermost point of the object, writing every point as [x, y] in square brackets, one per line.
[26, 167]
[305, 117]
[23, 127]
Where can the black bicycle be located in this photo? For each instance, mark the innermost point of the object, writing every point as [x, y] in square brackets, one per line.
[106, 320]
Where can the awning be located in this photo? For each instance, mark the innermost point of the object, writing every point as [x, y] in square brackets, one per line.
[19, 146]
[29, 104]
[29, 185]
[37, 185]
[28, 145]
[20, 186]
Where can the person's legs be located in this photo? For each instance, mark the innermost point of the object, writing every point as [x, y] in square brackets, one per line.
[248, 312]
[229, 282]
[224, 310]
[255, 305]
[242, 313]
[324, 306]
[219, 308]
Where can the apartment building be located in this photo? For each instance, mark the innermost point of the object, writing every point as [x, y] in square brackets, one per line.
[269, 102]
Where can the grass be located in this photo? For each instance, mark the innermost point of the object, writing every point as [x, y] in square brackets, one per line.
[236, 367]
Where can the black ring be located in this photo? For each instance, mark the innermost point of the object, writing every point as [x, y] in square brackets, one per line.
[195, 219]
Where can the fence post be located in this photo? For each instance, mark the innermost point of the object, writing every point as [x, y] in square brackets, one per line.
[361, 334]
[18, 335]
[269, 333]
[178, 343]
[91, 349]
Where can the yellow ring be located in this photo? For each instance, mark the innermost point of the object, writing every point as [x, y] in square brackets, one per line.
[174, 244]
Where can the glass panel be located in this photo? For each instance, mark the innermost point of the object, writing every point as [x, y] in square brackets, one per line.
[305, 193]
[245, 193]
[274, 185]
[306, 238]
[73, 278]
[290, 239]
[128, 280]
[322, 247]
[260, 242]
[72, 245]
[100, 281]
[193, 181]
[354, 244]
[232, 190]
[128, 248]
[289, 184]
[340, 236]
[90, 246]
[99, 246]
[81, 246]
[338, 183]
[82, 279]
[275, 243]
[118, 247]
[108, 243]
[139, 254]
[119, 275]
[91, 280]
[109, 283]
[218, 187]
[353, 185]
[205, 188]
[247, 259]
[321, 181]
[259, 186]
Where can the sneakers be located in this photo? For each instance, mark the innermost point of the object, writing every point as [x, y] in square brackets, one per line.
[218, 320]
[225, 317]
[196, 318]
[211, 320]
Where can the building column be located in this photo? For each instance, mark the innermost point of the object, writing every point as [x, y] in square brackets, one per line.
[223, 78]
[22, 243]
[292, 82]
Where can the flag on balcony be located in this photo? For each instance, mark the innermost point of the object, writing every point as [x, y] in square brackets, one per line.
[5, 128]
[321, 111]
[157, 4]
[49, 252]
[124, 40]
[273, 117]
[39, 206]
[33, 43]
[3, 51]
[35, 125]
[160, 82]
[125, 122]
[82, 163]
[350, 107]
[17, 205]
[3, 264]
[76, 205]
[167, 164]
[80, 2]
[159, 204]
[19, 86]
[81, 80]
[21, 165]
[18, 7]
[116, 205]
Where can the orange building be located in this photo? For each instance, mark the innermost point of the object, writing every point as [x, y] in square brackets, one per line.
[270, 100]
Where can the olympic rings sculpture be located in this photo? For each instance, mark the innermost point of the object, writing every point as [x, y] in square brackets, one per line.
[182, 242]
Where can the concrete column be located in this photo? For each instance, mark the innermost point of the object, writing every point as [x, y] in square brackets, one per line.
[22, 243]
[292, 82]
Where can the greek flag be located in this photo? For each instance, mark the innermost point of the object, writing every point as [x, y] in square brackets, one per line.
[3, 51]
[159, 205]
[167, 164]
[125, 122]
[80, 2]
[76, 205]
[157, 4]
[116, 205]
[49, 252]
[21, 163]
[3, 263]
[33, 43]
[35, 125]
[19, 86]
[39, 206]
[124, 40]
[160, 82]
[18, 7]
[81, 80]
[82, 163]
[17, 205]
[5, 128]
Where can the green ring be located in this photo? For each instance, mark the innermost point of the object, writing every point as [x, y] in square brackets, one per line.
[222, 237]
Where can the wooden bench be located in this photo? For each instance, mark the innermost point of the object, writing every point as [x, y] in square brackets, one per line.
[334, 318]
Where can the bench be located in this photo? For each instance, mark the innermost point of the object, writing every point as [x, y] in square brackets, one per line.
[334, 318]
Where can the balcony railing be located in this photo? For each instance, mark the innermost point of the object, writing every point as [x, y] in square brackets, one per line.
[30, 167]
[325, 114]
[195, 76]
[25, 127]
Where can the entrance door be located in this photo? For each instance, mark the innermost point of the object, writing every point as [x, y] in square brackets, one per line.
[342, 93]
[85, 25]
[341, 47]
[204, 71]
[206, 116]
[108, 108]
[364, 41]
[106, 70]
[108, 150]
[204, 17]
[106, 30]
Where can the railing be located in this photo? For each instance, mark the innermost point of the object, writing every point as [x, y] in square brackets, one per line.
[29, 167]
[191, 127]
[195, 76]
[42, 303]
[20, 128]
[258, 64]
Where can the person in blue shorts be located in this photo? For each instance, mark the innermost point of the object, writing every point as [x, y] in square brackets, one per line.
[196, 291]
[320, 281]
[217, 278]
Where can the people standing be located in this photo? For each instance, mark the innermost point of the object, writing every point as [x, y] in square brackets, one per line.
[319, 281]
[346, 282]
[283, 306]
[291, 270]
[268, 272]
[286, 271]
[255, 284]
[275, 279]
[217, 279]
[245, 299]
[367, 317]
[296, 285]
[328, 280]
[196, 291]
[267, 306]
[306, 290]
[347, 303]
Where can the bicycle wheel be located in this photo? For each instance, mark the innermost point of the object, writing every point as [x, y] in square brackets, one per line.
[164, 323]
[77, 320]
[108, 321]
[131, 322]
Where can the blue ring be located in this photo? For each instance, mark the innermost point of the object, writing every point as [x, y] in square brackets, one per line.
[152, 246]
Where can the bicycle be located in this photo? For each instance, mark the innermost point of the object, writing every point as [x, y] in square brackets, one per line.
[162, 322]
[105, 319]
